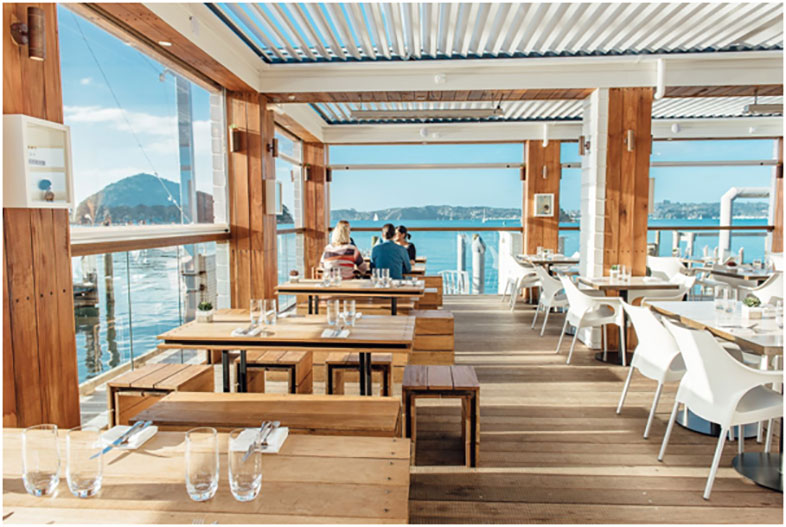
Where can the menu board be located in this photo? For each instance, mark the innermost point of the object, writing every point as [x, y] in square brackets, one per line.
[45, 157]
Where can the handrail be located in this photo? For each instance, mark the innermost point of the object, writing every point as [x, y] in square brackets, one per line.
[768, 228]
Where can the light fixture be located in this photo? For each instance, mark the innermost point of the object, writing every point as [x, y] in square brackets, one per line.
[32, 34]
[545, 172]
[584, 145]
[164, 43]
[476, 113]
[752, 130]
[660, 79]
[424, 133]
[440, 78]
[272, 147]
[675, 128]
[291, 97]
[629, 140]
[761, 108]
[545, 134]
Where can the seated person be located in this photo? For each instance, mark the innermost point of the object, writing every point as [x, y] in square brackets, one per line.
[390, 255]
[402, 238]
[341, 253]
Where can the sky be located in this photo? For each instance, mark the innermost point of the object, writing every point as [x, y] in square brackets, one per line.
[111, 141]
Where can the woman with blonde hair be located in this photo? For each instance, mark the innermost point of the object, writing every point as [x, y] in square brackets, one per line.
[341, 253]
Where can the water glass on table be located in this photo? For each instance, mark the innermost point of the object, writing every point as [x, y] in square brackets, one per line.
[245, 473]
[332, 312]
[84, 470]
[385, 277]
[255, 311]
[201, 463]
[40, 460]
[779, 314]
[349, 312]
[269, 312]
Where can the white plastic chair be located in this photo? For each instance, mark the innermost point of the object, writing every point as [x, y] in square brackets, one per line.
[719, 389]
[772, 288]
[684, 282]
[656, 357]
[552, 294]
[668, 265]
[524, 278]
[590, 311]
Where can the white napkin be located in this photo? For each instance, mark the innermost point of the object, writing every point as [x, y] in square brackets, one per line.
[358, 315]
[274, 441]
[330, 334]
[240, 332]
[651, 279]
[136, 440]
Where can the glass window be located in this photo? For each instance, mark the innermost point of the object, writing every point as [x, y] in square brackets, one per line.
[142, 134]
[428, 153]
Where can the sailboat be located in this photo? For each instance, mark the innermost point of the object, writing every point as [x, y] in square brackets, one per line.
[376, 217]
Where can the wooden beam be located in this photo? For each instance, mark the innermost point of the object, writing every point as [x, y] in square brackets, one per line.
[314, 203]
[84, 249]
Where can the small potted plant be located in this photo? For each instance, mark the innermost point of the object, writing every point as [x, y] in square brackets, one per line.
[294, 276]
[751, 307]
[204, 312]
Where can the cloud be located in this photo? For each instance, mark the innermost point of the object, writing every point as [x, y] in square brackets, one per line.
[85, 81]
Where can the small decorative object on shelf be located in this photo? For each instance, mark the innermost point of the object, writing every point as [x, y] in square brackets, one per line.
[751, 307]
[45, 186]
[204, 312]
[294, 276]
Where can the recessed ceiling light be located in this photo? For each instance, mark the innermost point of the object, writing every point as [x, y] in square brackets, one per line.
[291, 97]
[164, 43]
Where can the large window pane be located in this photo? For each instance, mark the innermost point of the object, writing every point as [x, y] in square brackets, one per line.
[430, 153]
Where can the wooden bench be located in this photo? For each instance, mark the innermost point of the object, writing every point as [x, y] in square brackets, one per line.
[297, 365]
[351, 415]
[434, 337]
[130, 393]
[338, 363]
[445, 381]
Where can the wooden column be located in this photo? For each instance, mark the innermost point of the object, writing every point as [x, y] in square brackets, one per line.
[541, 231]
[39, 345]
[314, 201]
[253, 257]
[777, 234]
[627, 178]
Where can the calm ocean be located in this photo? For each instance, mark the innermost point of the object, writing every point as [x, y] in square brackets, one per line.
[149, 283]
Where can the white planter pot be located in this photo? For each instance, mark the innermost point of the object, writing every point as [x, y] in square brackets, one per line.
[204, 316]
[752, 312]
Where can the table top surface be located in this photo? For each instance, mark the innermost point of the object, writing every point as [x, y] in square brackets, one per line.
[313, 479]
[370, 330]
[742, 273]
[766, 338]
[302, 413]
[542, 260]
[356, 287]
[633, 284]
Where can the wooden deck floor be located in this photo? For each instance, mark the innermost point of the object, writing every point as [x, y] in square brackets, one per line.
[552, 448]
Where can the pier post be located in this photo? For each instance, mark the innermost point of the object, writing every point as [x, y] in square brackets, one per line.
[478, 265]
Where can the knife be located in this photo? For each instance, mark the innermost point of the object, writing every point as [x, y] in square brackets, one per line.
[122, 438]
[256, 441]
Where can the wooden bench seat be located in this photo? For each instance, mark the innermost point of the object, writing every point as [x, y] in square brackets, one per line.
[142, 387]
[337, 365]
[445, 381]
[302, 413]
[434, 337]
[297, 365]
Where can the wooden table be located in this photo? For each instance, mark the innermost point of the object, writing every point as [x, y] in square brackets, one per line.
[752, 275]
[548, 263]
[318, 414]
[349, 288]
[622, 287]
[371, 334]
[417, 270]
[764, 469]
[314, 479]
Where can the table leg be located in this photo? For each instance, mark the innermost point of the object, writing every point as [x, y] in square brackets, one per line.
[310, 305]
[292, 380]
[473, 432]
[362, 372]
[394, 306]
[616, 357]
[316, 304]
[365, 374]
[242, 377]
[225, 368]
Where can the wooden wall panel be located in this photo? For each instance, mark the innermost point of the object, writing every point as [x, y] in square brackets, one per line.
[627, 178]
[777, 233]
[314, 203]
[541, 231]
[253, 251]
[39, 347]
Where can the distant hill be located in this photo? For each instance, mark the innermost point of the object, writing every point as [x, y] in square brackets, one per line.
[143, 198]
[433, 212]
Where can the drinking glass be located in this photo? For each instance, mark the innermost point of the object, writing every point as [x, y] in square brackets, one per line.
[779, 314]
[201, 463]
[83, 471]
[349, 312]
[386, 277]
[40, 460]
[245, 477]
[720, 300]
[336, 278]
[731, 301]
[332, 312]
[540, 252]
[270, 312]
[255, 311]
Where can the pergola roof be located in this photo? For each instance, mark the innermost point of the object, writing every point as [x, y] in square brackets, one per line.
[341, 32]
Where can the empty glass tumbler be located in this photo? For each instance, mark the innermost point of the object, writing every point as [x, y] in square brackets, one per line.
[40, 460]
[332, 312]
[84, 461]
[245, 475]
[349, 312]
[270, 311]
[255, 310]
[201, 463]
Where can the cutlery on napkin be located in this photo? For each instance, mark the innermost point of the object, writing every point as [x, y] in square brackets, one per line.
[125, 438]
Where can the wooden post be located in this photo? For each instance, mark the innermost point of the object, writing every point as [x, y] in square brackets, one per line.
[39, 343]
[314, 202]
[542, 177]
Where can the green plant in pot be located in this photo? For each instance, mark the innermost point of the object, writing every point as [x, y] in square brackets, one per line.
[751, 307]
[204, 312]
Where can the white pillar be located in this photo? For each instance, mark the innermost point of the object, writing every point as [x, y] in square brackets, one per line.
[593, 182]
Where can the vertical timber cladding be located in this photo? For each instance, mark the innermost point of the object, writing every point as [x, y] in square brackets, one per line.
[777, 233]
[541, 231]
[253, 257]
[627, 178]
[314, 203]
[39, 343]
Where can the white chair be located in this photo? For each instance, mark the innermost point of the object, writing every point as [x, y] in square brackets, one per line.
[656, 357]
[766, 292]
[668, 265]
[684, 282]
[523, 278]
[590, 311]
[719, 389]
[552, 295]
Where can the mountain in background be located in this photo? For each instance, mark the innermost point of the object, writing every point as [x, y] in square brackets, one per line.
[144, 199]
[434, 212]
[703, 211]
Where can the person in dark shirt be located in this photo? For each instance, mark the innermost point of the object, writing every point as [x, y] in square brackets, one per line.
[402, 238]
[389, 255]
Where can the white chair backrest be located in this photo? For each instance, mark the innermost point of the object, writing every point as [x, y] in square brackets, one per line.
[668, 265]
[548, 283]
[777, 260]
[685, 282]
[653, 337]
[773, 287]
[578, 302]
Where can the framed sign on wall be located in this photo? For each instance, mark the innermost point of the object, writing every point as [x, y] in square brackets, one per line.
[544, 205]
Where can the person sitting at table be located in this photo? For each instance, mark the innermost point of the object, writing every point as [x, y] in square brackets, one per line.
[342, 254]
[402, 238]
[390, 255]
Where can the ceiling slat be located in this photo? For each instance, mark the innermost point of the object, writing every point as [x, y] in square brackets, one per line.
[293, 32]
[378, 26]
[393, 12]
[319, 17]
[491, 18]
[233, 25]
[695, 31]
[551, 22]
[611, 13]
[272, 26]
[683, 15]
[723, 32]
[640, 26]
[302, 19]
[450, 31]
[255, 29]
[469, 27]
[337, 15]
[358, 23]
[569, 20]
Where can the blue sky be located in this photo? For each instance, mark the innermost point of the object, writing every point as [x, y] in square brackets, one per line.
[105, 148]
